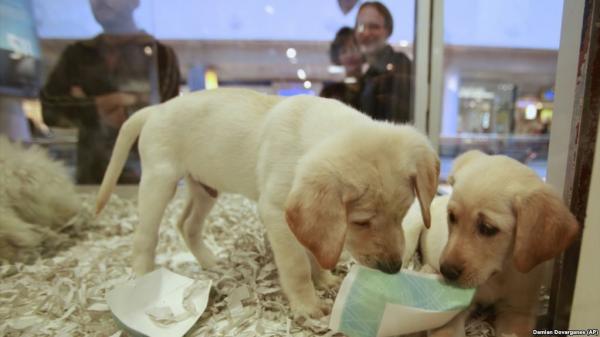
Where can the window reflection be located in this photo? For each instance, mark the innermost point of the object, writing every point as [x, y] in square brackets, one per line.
[499, 63]
[498, 79]
[98, 83]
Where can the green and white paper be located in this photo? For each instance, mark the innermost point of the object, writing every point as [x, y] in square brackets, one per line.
[371, 303]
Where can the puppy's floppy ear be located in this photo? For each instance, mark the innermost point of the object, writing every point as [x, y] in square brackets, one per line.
[316, 214]
[462, 161]
[545, 227]
[424, 183]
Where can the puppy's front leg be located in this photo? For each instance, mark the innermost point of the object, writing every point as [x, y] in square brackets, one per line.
[323, 278]
[292, 263]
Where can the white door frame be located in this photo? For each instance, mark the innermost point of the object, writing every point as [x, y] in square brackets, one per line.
[429, 67]
[421, 63]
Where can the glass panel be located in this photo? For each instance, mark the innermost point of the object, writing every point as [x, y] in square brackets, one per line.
[500, 59]
[98, 66]
[500, 65]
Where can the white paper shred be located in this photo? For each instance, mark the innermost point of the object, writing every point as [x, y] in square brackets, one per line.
[98, 307]
[64, 295]
[164, 316]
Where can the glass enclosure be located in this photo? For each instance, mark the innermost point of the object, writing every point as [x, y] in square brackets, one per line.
[499, 69]
[72, 71]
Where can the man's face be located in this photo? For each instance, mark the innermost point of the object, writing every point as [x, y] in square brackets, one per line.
[111, 12]
[371, 33]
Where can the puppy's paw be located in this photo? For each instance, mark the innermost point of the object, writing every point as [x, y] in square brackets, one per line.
[206, 258]
[142, 265]
[326, 280]
[208, 262]
[314, 309]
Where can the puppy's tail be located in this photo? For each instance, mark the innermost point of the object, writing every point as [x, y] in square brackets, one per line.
[129, 132]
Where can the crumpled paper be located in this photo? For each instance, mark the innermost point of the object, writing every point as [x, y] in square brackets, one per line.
[161, 303]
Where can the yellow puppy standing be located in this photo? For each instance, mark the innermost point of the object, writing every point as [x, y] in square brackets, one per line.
[324, 175]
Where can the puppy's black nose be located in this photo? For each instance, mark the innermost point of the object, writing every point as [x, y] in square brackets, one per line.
[450, 272]
[389, 267]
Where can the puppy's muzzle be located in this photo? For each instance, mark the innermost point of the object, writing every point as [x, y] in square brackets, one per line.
[389, 266]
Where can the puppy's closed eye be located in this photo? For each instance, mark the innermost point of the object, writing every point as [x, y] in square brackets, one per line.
[486, 229]
[362, 223]
[361, 219]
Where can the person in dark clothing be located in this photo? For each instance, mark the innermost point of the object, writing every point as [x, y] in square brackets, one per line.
[344, 51]
[388, 79]
[98, 83]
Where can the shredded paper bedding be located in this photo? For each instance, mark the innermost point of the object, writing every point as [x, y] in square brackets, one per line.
[64, 294]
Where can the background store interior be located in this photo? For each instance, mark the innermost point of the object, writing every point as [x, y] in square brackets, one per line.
[499, 61]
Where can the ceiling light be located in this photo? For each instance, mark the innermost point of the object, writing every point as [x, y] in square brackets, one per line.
[291, 53]
[301, 74]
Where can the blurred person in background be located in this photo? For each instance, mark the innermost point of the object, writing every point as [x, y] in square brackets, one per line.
[387, 77]
[344, 52]
[98, 83]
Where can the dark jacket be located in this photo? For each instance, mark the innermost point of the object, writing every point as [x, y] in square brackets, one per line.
[134, 66]
[348, 93]
[387, 87]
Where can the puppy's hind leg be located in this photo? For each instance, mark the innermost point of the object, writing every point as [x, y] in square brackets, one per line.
[200, 201]
[157, 188]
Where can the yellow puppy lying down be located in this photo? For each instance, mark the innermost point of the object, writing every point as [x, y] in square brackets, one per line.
[324, 176]
[493, 232]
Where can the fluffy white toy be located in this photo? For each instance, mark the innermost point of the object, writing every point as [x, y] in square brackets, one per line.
[37, 200]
